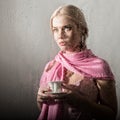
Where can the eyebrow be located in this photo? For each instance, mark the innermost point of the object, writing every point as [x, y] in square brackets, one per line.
[67, 25]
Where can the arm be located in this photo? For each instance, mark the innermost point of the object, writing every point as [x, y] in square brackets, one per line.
[108, 101]
[107, 106]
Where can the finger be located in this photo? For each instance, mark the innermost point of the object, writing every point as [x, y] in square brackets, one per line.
[39, 99]
[42, 98]
[65, 86]
[43, 92]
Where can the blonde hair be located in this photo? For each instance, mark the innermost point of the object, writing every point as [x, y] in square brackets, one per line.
[75, 14]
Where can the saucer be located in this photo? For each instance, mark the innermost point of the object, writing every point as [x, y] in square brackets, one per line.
[57, 96]
[57, 93]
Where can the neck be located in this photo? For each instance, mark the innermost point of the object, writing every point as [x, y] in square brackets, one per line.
[71, 52]
[76, 50]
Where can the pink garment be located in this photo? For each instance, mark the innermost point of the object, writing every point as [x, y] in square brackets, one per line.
[84, 63]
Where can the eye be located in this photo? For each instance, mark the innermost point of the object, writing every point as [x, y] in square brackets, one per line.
[67, 28]
[54, 29]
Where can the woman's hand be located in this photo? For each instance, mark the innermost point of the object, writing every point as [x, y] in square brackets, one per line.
[45, 96]
[74, 97]
[42, 96]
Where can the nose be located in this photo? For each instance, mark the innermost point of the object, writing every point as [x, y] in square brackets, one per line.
[60, 34]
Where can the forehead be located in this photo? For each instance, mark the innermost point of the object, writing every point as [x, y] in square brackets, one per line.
[62, 20]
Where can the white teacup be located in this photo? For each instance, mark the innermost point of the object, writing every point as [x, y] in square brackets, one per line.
[55, 86]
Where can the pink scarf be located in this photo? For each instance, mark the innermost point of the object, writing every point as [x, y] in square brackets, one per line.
[84, 63]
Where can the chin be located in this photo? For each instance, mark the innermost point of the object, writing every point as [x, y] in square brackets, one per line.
[63, 48]
[66, 50]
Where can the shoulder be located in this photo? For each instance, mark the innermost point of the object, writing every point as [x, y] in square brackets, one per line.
[105, 68]
[98, 61]
[102, 61]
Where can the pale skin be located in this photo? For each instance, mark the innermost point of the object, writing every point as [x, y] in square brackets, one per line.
[67, 37]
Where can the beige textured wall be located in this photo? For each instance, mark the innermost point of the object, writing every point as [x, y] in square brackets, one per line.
[26, 45]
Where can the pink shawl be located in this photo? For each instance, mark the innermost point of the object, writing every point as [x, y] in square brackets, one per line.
[84, 63]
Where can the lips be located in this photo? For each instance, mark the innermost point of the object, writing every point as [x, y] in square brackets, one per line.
[62, 43]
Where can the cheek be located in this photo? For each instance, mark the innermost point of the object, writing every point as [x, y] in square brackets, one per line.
[55, 36]
[74, 39]
[72, 36]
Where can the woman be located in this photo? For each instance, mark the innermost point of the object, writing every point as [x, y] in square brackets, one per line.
[87, 79]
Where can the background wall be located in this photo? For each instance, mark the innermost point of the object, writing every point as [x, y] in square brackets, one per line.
[26, 45]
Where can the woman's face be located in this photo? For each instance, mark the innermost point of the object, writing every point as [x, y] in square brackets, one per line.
[66, 33]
